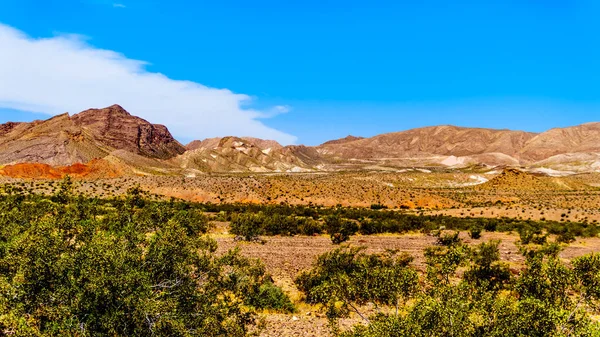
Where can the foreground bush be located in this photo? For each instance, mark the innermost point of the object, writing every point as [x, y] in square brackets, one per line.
[547, 298]
[84, 267]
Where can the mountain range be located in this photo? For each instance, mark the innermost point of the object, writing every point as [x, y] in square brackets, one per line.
[112, 142]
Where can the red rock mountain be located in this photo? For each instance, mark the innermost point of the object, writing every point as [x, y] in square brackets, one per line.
[116, 128]
[65, 140]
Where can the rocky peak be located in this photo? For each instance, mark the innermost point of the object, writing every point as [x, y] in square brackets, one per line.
[7, 127]
[117, 128]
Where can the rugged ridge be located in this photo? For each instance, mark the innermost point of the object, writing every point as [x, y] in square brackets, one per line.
[136, 146]
[583, 138]
[444, 140]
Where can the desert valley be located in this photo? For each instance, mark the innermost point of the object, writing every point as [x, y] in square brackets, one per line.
[289, 206]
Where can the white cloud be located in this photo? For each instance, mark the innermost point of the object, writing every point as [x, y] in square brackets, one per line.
[118, 5]
[65, 74]
[282, 109]
[275, 111]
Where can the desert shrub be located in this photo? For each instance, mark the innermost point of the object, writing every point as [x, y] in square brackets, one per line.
[75, 266]
[369, 226]
[490, 225]
[548, 298]
[308, 226]
[192, 220]
[448, 239]
[529, 234]
[565, 237]
[340, 229]
[486, 271]
[378, 206]
[376, 221]
[248, 226]
[475, 232]
[271, 297]
[347, 277]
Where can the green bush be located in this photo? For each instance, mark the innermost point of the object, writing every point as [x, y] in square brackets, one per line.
[346, 277]
[475, 232]
[75, 266]
[448, 239]
[340, 229]
[272, 297]
[548, 298]
[248, 226]
[565, 237]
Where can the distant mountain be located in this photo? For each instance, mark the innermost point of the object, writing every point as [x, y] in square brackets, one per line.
[459, 146]
[130, 145]
[233, 154]
[430, 141]
[211, 143]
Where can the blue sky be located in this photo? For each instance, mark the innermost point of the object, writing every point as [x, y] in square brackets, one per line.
[311, 71]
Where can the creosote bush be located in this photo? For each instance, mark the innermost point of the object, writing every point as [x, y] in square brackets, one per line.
[77, 266]
[340, 229]
[343, 222]
[547, 298]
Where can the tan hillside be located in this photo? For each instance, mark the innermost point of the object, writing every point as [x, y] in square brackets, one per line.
[233, 154]
[212, 143]
[583, 138]
[437, 140]
[346, 139]
[513, 179]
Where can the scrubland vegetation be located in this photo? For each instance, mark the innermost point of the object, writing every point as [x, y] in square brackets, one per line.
[75, 266]
[464, 292]
[137, 265]
[250, 221]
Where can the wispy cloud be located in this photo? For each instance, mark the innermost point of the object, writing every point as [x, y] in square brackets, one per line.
[275, 111]
[64, 73]
[118, 5]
